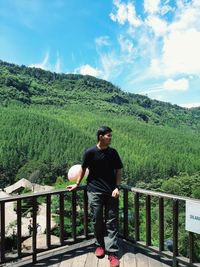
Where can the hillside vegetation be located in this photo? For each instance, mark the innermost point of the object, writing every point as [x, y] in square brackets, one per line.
[48, 120]
[39, 87]
[51, 140]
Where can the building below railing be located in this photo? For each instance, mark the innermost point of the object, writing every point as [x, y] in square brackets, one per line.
[139, 211]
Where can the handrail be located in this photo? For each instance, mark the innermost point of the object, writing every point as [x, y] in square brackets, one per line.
[132, 189]
[28, 195]
[33, 196]
[157, 194]
[135, 208]
[137, 193]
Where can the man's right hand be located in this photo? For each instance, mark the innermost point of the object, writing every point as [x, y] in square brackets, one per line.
[72, 187]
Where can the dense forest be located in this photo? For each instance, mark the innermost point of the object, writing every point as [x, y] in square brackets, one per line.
[48, 120]
[19, 84]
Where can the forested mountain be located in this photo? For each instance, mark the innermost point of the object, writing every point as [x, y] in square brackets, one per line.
[48, 120]
[40, 87]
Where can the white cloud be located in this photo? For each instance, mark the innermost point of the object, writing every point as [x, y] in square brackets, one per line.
[190, 105]
[162, 49]
[181, 52]
[44, 64]
[186, 18]
[155, 66]
[178, 51]
[102, 41]
[176, 85]
[151, 6]
[121, 14]
[132, 16]
[165, 9]
[158, 25]
[88, 70]
[125, 13]
[181, 44]
[196, 3]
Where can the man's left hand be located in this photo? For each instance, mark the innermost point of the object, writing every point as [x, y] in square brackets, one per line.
[115, 193]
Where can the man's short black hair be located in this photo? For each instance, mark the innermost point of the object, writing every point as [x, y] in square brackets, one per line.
[103, 130]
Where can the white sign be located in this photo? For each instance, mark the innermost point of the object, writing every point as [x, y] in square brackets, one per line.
[192, 216]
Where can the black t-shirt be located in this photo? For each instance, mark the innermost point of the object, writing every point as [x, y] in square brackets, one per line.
[102, 165]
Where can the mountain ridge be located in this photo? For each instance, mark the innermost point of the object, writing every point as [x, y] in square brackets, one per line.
[34, 86]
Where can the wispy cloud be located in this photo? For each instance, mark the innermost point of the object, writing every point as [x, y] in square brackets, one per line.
[161, 48]
[27, 12]
[168, 85]
[58, 64]
[110, 65]
[102, 41]
[44, 64]
[152, 90]
[127, 49]
[32, 14]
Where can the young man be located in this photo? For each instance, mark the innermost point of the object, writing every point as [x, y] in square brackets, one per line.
[103, 181]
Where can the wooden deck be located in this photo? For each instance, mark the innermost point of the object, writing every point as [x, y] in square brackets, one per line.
[82, 255]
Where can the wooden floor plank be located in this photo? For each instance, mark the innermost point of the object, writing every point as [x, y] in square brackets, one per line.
[129, 259]
[103, 262]
[76, 257]
[141, 260]
[154, 263]
[82, 255]
[92, 260]
[80, 260]
[66, 263]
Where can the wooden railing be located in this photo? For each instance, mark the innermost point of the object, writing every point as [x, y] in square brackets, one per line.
[61, 213]
[131, 214]
[160, 248]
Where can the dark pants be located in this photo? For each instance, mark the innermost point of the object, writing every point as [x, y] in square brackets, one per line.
[100, 205]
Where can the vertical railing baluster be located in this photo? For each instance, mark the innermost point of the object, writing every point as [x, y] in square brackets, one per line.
[74, 215]
[85, 214]
[2, 234]
[161, 224]
[137, 202]
[175, 232]
[34, 237]
[61, 209]
[19, 228]
[148, 220]
[191, 247]
[137, 217]
[48, 221]
[125, 211]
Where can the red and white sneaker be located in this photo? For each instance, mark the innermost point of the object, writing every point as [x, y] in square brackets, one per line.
[114, 261]
[100, 252]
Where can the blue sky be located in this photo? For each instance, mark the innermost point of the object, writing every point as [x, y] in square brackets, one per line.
[148, 47]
